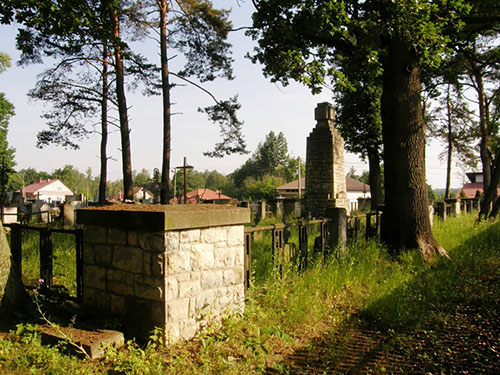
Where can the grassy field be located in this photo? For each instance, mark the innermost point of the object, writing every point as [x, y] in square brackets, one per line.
[362, 312]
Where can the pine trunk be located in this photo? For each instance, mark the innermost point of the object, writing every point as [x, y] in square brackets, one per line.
[104, 128]
[122, 111]
[375, 178]
[165, 85]
[405, 222]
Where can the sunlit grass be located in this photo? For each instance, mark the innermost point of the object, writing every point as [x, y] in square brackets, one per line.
[287, 310]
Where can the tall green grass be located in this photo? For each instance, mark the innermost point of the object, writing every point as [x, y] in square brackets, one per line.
[63, 260]
[288, 310]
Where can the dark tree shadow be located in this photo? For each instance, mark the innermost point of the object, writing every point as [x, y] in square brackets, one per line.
[445, 321]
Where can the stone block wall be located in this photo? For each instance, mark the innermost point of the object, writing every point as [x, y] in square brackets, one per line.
[204, 277]
[175, 278]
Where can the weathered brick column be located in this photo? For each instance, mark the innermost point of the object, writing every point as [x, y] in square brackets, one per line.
[171, 267]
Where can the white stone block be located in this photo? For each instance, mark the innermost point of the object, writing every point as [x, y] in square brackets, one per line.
[188, 329]
[202, 257]
[224, 257]
[172, 331]
[235, 235]
[172, 240]
[189, 288]
[213, 235]
[233, 276]
[211, 279]
[179, 262]
[205, 301]
[172, 288]
[178, 309]
[239, 256]
[190, 236]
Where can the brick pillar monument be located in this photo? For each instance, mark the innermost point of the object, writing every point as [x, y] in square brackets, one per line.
[325, 170]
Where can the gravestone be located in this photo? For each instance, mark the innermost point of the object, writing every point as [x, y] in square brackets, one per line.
[325, 169]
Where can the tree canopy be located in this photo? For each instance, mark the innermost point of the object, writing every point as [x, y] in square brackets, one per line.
[306, 41]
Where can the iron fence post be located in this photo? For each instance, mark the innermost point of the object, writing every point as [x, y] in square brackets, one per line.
[303, 245]
[46, 269]
[79, 264]
[248, 260]
[16, 245]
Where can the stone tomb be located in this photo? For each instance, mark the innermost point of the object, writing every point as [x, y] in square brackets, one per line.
[173, 267]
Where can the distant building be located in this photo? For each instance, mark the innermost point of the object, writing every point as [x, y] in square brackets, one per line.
[355, 189]
[47, 190]
[475, 185]
[205, 196]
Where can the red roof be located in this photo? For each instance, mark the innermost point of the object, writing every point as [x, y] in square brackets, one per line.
[204, 195]
[471, 188]
[33, 188]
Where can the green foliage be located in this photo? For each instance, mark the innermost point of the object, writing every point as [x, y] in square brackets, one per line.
[6, 112]
[262, 189]
[270, 165]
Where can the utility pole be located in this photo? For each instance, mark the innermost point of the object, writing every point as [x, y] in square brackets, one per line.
[185, 167]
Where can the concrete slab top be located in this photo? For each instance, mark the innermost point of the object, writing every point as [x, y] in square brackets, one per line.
[156, 217]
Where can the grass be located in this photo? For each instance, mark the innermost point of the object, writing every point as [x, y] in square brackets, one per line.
[404, 304]
[63, 260]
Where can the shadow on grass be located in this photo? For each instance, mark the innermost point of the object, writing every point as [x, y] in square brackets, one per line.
[443, 320]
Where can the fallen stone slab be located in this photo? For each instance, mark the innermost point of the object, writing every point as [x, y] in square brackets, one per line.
[93, 342]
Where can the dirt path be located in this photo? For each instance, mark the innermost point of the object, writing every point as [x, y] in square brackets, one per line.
[469, 343]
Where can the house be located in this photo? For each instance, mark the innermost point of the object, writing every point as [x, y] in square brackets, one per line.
[47, 190]
[139, 193]
[355, 189]
[475, 185]
[205, 196]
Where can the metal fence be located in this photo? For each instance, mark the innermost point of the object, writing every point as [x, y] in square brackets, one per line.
[46, 254]
[282, 250]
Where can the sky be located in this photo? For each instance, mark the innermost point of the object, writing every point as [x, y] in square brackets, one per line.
[265, 106]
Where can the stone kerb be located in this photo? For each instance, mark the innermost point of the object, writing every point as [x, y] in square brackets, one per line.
[174, 268]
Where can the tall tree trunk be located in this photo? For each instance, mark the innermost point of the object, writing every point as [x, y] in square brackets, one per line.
[104, 127]
[375, 179]
[450, 145]
[484, 143]
[490, 194]
[405, 222]
[165, 86]
[122, 111]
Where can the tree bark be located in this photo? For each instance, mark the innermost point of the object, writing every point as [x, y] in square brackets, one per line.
[491, 193]
[104, 127]
[12, 292]
[122, 110]
[405, 221]
[477, 76]
[450, 145]
[165, 86]
[375, 178]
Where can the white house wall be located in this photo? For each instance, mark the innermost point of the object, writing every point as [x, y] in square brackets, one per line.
[353, 196]
[55, 191]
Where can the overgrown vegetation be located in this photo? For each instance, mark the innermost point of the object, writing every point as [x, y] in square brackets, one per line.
[437, 318]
